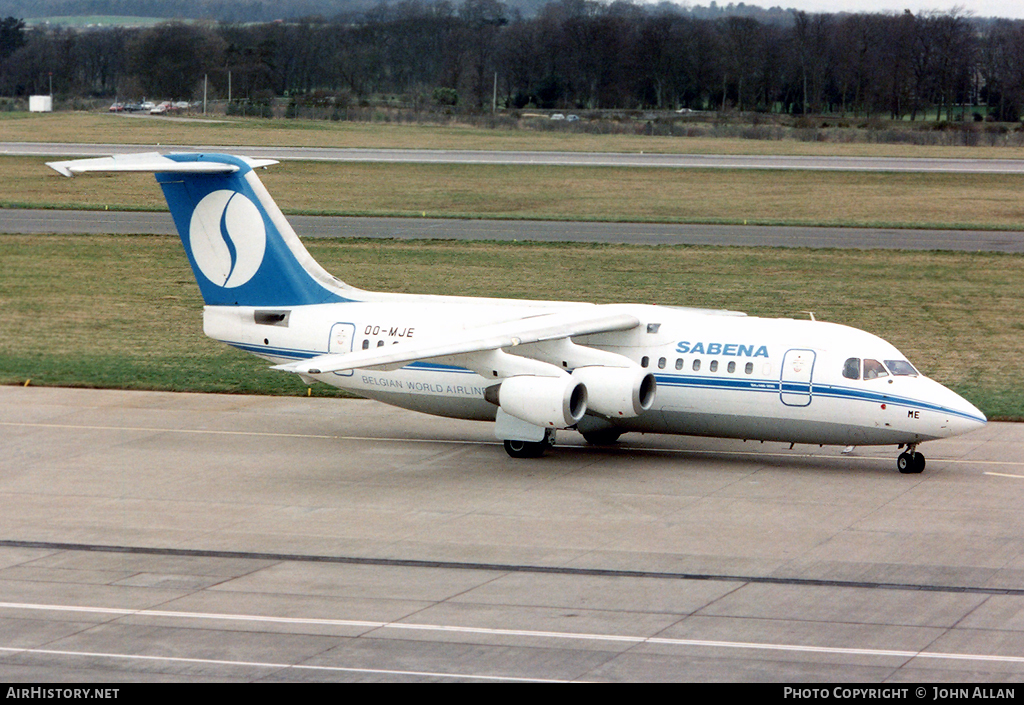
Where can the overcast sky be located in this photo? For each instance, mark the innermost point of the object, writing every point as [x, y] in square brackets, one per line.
[979, 8]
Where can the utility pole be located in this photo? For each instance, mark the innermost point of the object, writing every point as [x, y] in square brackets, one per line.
[205, 77]
[494, 99]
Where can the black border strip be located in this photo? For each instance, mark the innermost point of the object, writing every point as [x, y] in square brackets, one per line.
[504, 567]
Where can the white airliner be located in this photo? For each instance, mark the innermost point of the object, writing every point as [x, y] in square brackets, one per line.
[532, 367]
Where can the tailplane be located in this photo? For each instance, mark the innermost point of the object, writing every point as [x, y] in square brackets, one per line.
[242, 250]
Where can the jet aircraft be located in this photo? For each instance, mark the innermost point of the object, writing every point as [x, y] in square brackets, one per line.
[533, 367]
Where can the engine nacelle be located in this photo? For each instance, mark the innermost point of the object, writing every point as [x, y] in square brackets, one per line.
[617, 392]
[551, 402]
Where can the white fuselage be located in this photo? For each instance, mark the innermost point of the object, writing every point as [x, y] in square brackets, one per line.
[718, 373]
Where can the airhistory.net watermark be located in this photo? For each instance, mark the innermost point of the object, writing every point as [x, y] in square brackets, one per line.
[62, 693]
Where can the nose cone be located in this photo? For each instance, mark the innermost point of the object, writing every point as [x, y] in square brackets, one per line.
[958, 416]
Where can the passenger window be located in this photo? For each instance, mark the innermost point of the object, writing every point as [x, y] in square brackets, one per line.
[901, 368]
[696, 365]
[366, 345]
[380, 343]
[731, 367]
[851, 370]
[874, 369]
[749, 368]
[645, 361]
[714, 366]
[661, 363]
[679, 363]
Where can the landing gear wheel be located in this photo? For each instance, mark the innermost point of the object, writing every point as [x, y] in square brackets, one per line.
[530, 449]
[604, 437]
[910, 463]
[525, 449]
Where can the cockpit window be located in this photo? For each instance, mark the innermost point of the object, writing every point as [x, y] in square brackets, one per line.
[851, 370]
[874, 369]
[901, 368]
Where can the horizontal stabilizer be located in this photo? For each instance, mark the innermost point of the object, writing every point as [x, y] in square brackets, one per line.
[551, 326]
[152, 162]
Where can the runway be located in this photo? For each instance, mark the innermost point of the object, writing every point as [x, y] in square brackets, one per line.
[44, 221]
[103, 222]
[528, 158]
[159, 536]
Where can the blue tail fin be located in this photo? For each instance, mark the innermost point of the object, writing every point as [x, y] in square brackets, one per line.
[241, 248]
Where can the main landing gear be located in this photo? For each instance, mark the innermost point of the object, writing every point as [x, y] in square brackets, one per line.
[535, 449]
[910, 461]
[531, 449]
[603, 437]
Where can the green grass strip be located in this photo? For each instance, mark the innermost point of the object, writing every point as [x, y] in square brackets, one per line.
[124, 311]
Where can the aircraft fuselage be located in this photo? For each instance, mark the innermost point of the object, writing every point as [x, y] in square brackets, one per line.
[718, 374]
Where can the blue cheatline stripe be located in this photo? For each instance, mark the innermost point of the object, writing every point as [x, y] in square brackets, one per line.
[299, 354]
[875, 397]
[270, 350]
[722, 383]
[766, 386]
[818, 390]
[435, 367]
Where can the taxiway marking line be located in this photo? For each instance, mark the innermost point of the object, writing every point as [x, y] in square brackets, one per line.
[378, 439]
[262, 664]
[1003, 474]
[486, 631]
[202, 431]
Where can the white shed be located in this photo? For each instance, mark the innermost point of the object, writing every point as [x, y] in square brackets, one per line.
[40, 104]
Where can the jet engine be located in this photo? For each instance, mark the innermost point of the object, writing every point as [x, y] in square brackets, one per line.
[617, 392]
[551, 402]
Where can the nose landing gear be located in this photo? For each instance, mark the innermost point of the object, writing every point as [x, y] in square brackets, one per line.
[910, 462]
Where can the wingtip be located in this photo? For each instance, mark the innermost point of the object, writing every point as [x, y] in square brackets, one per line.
[61, 168]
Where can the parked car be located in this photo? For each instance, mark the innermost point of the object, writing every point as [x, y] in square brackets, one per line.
[557, 116]
[116, 108]
[572, 118]
[161, 109]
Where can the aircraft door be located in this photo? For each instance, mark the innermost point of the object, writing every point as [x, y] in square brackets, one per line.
[795, 387]
[342, 339]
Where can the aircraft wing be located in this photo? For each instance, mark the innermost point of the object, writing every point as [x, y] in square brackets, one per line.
[534, 329]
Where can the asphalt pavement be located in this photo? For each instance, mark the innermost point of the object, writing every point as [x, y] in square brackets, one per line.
[133, 222]
[148, 536]
[605, 159]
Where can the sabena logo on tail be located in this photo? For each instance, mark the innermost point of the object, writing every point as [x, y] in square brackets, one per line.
[241, 247]
[228, 238]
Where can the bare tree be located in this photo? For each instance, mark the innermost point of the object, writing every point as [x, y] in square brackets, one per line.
[171, 59]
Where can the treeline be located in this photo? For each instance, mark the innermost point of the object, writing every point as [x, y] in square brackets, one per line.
[218, 10]
[573, 54]
[271, 10]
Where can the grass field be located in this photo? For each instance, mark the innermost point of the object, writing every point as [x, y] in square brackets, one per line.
[124, 129]
[125, 312]
[574, 193]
